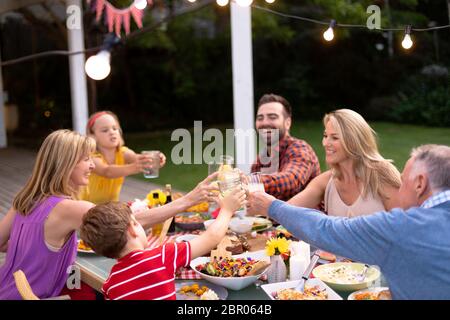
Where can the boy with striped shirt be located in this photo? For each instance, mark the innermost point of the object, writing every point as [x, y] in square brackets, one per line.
[111, 230]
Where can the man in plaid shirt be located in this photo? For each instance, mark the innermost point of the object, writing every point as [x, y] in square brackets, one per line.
[287, 164]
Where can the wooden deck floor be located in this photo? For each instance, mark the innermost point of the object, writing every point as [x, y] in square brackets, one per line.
[16, 166]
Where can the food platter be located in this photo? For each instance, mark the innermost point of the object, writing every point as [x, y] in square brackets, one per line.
[272, 288]
[82, 248]
[261, 224]
[190, 220]
[221, 292]
[371, 294]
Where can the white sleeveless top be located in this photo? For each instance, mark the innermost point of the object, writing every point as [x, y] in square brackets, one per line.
[334, 205]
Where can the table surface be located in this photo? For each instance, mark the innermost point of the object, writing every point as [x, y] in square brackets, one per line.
[95, 270]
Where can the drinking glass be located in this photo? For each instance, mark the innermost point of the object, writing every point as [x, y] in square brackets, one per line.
[230, 180]
[152, 171]
[255, 182]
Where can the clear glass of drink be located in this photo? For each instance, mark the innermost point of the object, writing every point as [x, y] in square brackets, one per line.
[230, 180]
[152, 170]
[255, 182]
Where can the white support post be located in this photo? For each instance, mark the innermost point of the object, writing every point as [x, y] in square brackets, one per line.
[242, 59]
[3, 140]
[78, 87]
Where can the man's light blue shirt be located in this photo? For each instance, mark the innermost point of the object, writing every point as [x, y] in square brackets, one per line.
[411, 247]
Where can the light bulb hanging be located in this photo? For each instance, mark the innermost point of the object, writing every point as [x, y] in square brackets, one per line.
[222, 3]
[328, 35]
[407, 42]
[98, 66]
[270, 1]
[140, 4]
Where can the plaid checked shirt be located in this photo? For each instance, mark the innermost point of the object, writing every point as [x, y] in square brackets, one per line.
[298, 165]
[436, 199]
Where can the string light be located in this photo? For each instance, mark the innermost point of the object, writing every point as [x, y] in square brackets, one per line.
[222, 3]
[270, 1]
[140, 4]
[192, 1]
[328, 35]
[407, 42]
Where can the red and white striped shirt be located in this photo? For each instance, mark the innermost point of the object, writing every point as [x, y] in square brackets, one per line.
[147, 274]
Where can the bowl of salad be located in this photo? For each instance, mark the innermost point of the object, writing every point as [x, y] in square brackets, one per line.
[235, 273]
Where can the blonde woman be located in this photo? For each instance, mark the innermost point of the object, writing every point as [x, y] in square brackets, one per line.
[39, 229]
[360, 181]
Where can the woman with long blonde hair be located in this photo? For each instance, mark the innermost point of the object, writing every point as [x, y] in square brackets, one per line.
[360, 181]
[39, 230]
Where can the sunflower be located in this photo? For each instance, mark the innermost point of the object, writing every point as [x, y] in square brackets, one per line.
[161, 197]
[276, 246]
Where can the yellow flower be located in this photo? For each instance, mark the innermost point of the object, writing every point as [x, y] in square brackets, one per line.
[270, 247]
[283, 245]
[161, 197]
[277, 246]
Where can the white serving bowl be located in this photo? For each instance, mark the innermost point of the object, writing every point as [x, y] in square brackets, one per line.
[232, 283]
[186, 237]
[322, 272]
[272, 288]
[243, 225]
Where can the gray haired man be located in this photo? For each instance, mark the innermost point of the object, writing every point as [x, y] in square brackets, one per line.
[411, 245]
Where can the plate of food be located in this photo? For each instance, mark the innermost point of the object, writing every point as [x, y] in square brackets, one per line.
[261, 224]
[281, 231]
[376, 293]
[345, 276]
[198, 290]
[83, 247]
[235, 272]
[191, 220]
[315, 289]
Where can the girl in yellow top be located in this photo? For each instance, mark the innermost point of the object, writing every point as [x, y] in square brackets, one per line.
[113, 161]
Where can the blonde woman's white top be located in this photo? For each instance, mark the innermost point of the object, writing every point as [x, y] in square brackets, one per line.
[334, 205]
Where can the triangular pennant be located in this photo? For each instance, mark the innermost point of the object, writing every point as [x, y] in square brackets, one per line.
[137, 16]
[126, 21]
[111, 12]
[99, 9]
[118, 23]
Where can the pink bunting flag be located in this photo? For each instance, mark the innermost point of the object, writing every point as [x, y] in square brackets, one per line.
[110, 13]
[115, 18]
[137, 16]
[118, 23]
[126, 21]
[99, 8]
